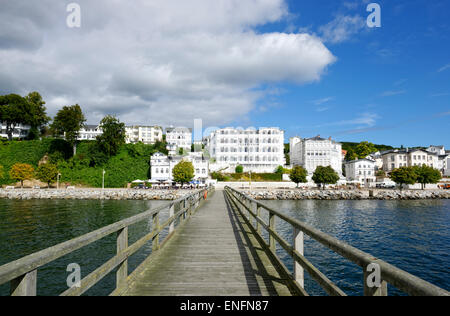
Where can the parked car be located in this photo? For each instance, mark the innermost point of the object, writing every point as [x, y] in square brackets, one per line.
[385, 185]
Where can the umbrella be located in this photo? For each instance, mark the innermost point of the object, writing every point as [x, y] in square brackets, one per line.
[138, 181]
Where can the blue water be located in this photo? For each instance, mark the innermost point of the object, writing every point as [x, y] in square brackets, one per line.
[412, 235]
[29, 226]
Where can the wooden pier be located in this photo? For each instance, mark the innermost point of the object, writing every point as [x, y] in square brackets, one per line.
[214, 254]
[214, 246]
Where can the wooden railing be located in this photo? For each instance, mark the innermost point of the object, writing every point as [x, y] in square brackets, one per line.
[22, 273]
[251, 209]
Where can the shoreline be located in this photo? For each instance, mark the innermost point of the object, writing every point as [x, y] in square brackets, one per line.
[93, 194]
[257, 194]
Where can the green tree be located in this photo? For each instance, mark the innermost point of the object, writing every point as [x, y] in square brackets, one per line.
[239, 169]
[427, 175]
[404, 175]
[381, 173]
[38, 116]
[21, 172]
[2, 174]
[47, 173]
[351, 155]
[14, 110]
[298, 175]
[113, 136]
[325, 175]
[68, 122]
[287, 155]
[183, 172]
[364, 149]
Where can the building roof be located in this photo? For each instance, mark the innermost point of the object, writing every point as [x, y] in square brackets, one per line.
[406, 151]
[87, 126]
[184, 129]
[358, 160]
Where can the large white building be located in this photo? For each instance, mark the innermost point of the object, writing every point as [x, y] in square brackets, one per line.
[362, 171]
[20, 131]
[256, 150]
[311, 153]
[143, 134]
[180, 137]
[90, 132]
[397, 158]
[443, 158]
[162, 166]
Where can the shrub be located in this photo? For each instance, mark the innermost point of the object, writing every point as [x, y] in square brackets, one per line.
[21, 172]
[404, 175]
[325, 175]
[239, 169]
[47, 173]
[183, 172]
[298, 175]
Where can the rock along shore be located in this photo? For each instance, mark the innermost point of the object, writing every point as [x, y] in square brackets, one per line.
[93, 194]
[267, 194]
[348, 194]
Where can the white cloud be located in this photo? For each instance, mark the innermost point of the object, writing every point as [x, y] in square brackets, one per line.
[443, 68]
[323, 100]
[154, 62]
[363, 120]
[392, 93]
[342, 28]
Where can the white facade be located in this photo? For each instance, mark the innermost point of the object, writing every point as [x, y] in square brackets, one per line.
[362, 170]
[443, 159]
[90, 132]
[311, 153]
[256, 150]
[398, 158]
[180, 137]
[438, 150]
[162, 166]
[144, 134]
[20, 131]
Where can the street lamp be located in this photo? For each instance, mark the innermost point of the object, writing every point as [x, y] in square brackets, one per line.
[103, 180]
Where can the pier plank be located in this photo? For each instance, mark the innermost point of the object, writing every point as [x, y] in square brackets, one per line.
[213, 254]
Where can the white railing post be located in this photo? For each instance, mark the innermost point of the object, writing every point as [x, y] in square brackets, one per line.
[25, 285]
[298, 246]
[172, 213]
[122, 244]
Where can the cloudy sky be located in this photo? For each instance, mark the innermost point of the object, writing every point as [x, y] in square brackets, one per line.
[309, 67]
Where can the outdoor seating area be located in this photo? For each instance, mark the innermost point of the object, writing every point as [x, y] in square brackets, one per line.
[167, 185]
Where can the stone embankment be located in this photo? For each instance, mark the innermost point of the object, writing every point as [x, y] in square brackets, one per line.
[348, 194]
[268, 194]
[93, 194]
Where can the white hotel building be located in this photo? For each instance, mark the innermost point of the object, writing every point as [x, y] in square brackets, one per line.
[398, 158]
[256, 150]
[178, 137]
[162, 166]
[145, 134]
[20, 131]
[362, 171]
[313, 152]
[90, 132]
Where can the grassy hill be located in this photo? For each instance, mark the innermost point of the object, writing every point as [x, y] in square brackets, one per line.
[349, 145]
[131, 163]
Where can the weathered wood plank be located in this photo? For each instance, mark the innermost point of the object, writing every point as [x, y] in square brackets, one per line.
[213, 254]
